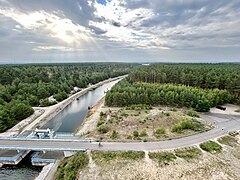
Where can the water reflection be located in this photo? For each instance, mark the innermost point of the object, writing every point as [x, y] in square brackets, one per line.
[69, 119]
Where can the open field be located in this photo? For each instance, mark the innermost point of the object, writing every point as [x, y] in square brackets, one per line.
[143, 123]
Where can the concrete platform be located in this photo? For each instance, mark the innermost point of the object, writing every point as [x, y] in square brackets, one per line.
[45, 158]
[12, 157]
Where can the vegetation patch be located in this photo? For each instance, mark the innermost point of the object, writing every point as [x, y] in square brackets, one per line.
[69, 167]
[110, 155]
[228, 140]
[211, 146]
[162, 157]
[139, 107]
[192, 113]
[188, 124]
[160, 131]
[103, 128]
[188, 153]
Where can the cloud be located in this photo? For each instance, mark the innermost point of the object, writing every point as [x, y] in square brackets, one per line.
[155, 28]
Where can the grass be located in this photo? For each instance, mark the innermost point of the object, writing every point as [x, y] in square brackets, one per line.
[211, 147]
[192, 113]
[110, 155]
[187, 124]
[188, 153]
[228, 140]
[162, 156]
[160, 131]
[69, 167]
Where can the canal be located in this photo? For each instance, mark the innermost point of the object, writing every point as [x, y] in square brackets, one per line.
[70, 118]
[66, 121]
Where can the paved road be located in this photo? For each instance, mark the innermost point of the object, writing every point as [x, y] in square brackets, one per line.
[223, 125]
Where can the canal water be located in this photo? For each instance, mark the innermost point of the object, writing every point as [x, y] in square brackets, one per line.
[23, 171]
[67, 121]
[70, 118]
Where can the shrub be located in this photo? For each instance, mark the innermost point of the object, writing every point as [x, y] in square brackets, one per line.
[60, 96]
[103, 128]
[187, 124]
[102, 113]
[211, 147]
[100, 122]
[192, 113]
[69, 167]
[129, 136]
[203, 106]
[135, 133]
[143, 133]
[114, 135]
[160, 130]
[46, 102]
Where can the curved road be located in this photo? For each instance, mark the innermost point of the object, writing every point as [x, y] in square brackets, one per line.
[223, 125]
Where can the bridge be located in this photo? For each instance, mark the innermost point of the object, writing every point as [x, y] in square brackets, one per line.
[15, 148]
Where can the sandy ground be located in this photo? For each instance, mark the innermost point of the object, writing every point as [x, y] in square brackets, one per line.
[222, 166]
[124, 122]
[230, 110]
[44, 114]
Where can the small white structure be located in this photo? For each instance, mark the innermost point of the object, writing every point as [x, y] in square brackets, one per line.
[42, 133]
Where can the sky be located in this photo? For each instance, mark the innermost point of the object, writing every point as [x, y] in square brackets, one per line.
[46, 31]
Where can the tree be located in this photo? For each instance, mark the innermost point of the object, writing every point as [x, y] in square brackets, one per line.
[21, 111]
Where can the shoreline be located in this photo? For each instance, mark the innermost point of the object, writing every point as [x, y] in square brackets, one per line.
[47, 113]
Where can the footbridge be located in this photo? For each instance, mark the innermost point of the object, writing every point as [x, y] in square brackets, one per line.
[41, 149]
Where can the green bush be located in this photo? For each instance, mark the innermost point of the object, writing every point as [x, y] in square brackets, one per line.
[46, 102]
[211, 147]
[100, 122]
[187, 124]
[135, 133]
[160, 131]
[60, 96]
[68, 168]
[102, 113]
[143, 133]
[114, 135]
[103, 128]
[192, 113]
